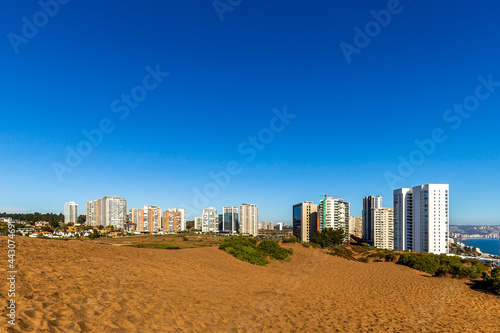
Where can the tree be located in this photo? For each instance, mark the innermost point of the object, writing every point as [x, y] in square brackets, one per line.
[95, 234]
[70, 224]
[81, 219]
[329, 237]
[54, 224]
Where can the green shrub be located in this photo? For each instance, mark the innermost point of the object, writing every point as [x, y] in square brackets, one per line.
[185, 238]
[420, 261]
[329, 237]
[492, 282]
[343, 252]
[305, 244]
[291, 239]
[364, 259]
[391, 257]
[273, 250]
[246, 249]
[442, 265]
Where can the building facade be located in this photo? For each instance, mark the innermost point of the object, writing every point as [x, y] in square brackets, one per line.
[334, 213]
[383, 228]
[421, 218]
[305, 220]
[249, 219]
[370, 203]
[136, 220]
[70, 212]
[209, 220]
[107, 211]
[174, 220]
[230, 219]
[197, 222]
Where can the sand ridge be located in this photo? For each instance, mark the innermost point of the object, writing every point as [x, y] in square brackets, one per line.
[83, 286]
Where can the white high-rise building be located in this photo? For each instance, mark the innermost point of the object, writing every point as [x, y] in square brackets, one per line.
[210, 220]
[421, 218]
[70, 212]
[174, 220]
[152, 217]
[197, 222]
[249, 219]
[107, 211]
[334, 213]
[383, 225]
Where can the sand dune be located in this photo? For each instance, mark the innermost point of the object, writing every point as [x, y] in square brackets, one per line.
[85, 286]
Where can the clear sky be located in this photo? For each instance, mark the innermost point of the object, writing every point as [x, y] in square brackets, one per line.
[350, 96]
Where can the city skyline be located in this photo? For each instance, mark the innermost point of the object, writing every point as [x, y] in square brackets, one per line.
[184, 106]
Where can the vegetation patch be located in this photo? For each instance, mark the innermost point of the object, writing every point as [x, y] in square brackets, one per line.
[443, 265]
[343, 252]
[291, 239]
[492, 282]
[329, 237]
[364, 259]
[160, 246]
[247, 249]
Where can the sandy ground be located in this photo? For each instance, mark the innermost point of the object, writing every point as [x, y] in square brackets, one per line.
[74, 286]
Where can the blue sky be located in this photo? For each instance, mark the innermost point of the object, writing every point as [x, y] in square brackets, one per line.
[352, 121]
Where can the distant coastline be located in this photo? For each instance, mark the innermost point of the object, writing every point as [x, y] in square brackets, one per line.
[486, 245]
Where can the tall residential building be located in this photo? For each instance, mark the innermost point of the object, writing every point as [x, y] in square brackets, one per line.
[197, 222]
[383, 228]
[279, 226]
[146, 220]
[209, 220]
[174, 220]
[91, 213]
[358, 229]
[334, 213]
[305, 220]
[421, 218]
[107, 211]
[230, 219]
[152, 216]
[370, 203]
[136, 218]
[249, 219]
[70, 212]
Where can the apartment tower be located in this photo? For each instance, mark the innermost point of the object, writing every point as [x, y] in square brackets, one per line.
[230, 219]
[383, 225]
[174, 220]
[305, 220]
[249, 219]
[210, 220]
[421, 218]
[370, 203]
[70, 212]
[334, 213]
[107, 211]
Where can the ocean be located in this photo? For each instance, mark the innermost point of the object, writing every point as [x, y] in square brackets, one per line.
[487, 245]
